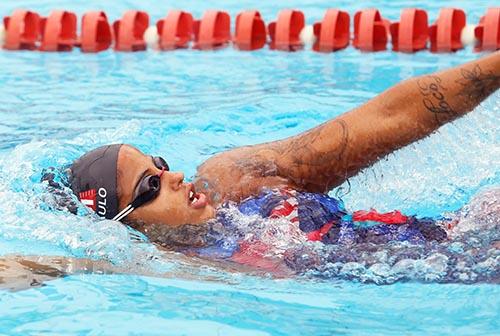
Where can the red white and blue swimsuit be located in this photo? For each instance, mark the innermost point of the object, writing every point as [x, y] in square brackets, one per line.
[324, 219]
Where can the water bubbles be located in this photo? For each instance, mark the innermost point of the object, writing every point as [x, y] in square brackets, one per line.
[437, 174]
[434, 267]
[352, 269]
[33, 215]
[471, 254]
[404, 267]
[380, 272]
[464, 258]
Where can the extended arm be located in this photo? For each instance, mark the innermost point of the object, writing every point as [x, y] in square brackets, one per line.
[327, 155]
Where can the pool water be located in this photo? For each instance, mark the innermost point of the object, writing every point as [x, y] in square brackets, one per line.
[187, 105]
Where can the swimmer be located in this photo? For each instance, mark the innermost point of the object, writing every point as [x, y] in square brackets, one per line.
[286, 179]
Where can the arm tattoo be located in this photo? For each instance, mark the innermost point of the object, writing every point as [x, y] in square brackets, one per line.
[476, 85]
[307, 165]
[434, 99]
[302, 152]
[310, 160]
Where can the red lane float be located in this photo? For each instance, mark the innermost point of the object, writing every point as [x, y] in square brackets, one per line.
[333, 32]
[129, 31]
[58, 31]
[488, 31]
[370, 30]
[96, 32]
[27, 30]
[445, 33]
[212, 31]
[411, 33]
[285, 31]
[250, 31]
[22, 30]
[175, 30]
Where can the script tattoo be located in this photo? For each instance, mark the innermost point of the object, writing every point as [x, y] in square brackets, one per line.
[477, 85]
[434, 99]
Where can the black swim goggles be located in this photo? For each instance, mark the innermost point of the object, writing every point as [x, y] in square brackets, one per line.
[146, 190]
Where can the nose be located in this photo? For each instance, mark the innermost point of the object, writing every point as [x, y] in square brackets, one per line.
[175, 180]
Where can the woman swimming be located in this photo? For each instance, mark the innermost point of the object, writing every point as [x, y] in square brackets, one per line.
[287, 179]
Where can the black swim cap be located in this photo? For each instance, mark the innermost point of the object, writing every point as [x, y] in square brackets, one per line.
[93, 180]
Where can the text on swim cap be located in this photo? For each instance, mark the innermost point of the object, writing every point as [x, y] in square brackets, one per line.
[101, 209]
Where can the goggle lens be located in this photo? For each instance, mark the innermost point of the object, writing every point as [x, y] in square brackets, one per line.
[160, 163]
[147, 189]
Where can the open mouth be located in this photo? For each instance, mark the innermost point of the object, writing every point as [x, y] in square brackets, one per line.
[196, 200]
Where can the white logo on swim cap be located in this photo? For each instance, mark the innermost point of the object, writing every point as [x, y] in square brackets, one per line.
[101, 210]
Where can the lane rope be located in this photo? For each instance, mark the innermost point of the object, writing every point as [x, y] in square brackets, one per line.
[27, 30]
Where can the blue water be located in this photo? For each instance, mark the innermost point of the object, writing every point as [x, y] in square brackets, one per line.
[186, 106]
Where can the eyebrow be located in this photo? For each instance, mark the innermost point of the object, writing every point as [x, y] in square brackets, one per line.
[139, 179]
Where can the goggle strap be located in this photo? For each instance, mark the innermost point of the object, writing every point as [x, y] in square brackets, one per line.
[122, 214]
[127, 213]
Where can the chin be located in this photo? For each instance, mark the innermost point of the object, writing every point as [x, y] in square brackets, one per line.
[205, 214]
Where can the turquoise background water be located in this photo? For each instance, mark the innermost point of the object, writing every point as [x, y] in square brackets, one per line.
[187, 105]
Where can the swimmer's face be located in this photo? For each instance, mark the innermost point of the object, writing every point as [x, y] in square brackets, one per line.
[174, 205]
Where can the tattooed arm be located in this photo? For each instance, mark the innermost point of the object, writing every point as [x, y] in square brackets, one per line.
[325, 156]
[328, 154]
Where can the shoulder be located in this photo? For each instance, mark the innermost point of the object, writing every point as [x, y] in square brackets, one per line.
[237, 174]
